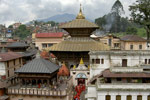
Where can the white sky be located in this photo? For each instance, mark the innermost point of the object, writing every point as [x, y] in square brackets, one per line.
[26, 10]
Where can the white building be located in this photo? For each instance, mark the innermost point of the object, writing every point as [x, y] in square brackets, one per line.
[119, 75]
[80, 74]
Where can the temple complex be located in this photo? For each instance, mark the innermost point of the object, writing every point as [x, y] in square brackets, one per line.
[80, 43]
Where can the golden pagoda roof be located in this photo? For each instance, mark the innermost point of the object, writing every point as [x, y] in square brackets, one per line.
[78, 45]
[79, 22]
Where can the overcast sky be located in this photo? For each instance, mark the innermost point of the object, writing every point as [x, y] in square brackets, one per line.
[26, 10]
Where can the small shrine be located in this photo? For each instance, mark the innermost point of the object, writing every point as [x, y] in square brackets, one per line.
[80, 74]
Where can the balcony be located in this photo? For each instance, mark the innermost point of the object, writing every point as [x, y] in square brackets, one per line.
[37, 91]
[126, 69]
[124, 86]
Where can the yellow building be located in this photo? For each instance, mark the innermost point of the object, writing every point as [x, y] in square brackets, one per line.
[9, 63]
[45, 40]
[111, 40]
[133, 42]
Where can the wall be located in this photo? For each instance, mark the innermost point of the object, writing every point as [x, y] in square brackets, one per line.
[12, 67]
[114, 59]
[17, 97]
[2, 68]
[126, 45]
[40, 41]
[98, 68]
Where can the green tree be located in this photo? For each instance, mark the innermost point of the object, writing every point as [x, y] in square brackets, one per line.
[22, 32]
[140, 12]
[131, 30]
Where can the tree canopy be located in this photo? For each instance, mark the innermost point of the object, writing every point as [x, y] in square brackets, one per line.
[22, 31]
[140, 12]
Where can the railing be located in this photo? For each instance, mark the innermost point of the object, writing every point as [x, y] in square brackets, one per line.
[126, 69]
[37, 91]
[124, 86]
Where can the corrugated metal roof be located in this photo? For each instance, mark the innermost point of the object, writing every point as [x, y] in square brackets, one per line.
[79, 44]
[45, 35]
[133, 38]
[17, 44]
[79, 23]
[38, 65]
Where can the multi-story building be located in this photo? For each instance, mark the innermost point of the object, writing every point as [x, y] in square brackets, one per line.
[46, 40]
[9, 62]
[111, 40]
[119, 75]
[133, 42]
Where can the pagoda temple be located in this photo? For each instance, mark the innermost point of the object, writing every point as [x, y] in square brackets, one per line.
[80, 43]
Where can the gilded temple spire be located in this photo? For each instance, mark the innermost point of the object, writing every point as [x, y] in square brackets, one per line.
[80, 15]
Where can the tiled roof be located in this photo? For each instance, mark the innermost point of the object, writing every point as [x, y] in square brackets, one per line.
[38, 65]
[44, 54]
[79, 44]
[133, 38]
[109, 74]
[9, 56]
[17, 44]
[44, 35]
[79, 23]
[63, 71]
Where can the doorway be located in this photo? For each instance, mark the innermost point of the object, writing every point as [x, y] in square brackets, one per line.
[124, 62]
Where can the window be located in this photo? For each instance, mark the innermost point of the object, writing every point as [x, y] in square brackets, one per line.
[118, 97]
[124, 62]
[14, 69]
[109, 41]
[140, 47]
[145, 61]
[49, 45]
[116, 44]
[149, 61]
[129, 97]
[93, 61]
[118, 79]
[74, 72]
[102, 61]
[44, 45]
[19, 60]
[97, 61]
[8, 73]
[14, 62]
[108, 97]
[139, 97]
[131, 47]
[88, 73]
[7, 64]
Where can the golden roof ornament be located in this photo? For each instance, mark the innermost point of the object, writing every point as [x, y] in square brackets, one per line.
[74, 67]
[81, 61]
[80, 15]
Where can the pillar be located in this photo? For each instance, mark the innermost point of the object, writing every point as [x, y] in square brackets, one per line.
[101, 97]
[134, 97]
[144, 97]
[113, 97]
[123, 97]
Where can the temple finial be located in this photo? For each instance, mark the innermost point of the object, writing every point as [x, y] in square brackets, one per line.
[81, 61]
[80, 15]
